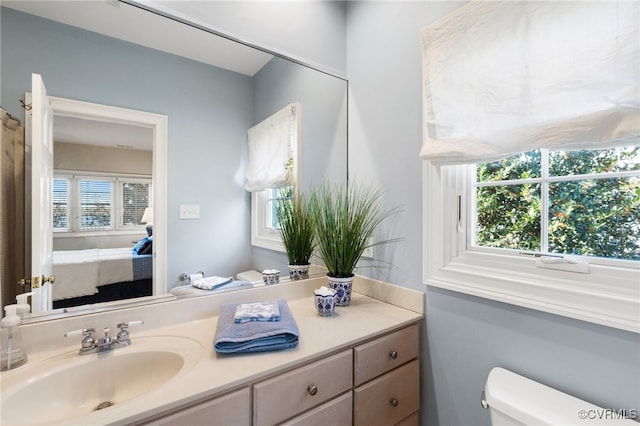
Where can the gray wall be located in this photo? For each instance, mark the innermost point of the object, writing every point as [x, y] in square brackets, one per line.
[323, 143]
[465, 336]
[74, 156]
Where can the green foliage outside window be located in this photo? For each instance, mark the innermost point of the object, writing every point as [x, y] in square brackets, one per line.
[587, 215]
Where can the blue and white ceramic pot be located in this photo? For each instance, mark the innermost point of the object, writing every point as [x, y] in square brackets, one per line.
[299, 272]
[325, 304]
[342, 285]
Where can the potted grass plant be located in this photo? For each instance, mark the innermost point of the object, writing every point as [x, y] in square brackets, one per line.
[296, 228]
[345, 219]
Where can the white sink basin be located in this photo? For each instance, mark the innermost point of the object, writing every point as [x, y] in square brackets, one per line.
[69, 385]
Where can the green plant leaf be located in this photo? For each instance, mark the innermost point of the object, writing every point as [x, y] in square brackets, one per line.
[345, 220]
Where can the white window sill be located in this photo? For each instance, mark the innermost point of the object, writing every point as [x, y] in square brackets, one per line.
[608, 296]
[82, 234]
[269, 240]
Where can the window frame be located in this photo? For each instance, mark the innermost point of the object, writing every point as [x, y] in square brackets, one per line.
[120, 182]
[608, 295]
[75, 228]
[544, 180]
[262, 235]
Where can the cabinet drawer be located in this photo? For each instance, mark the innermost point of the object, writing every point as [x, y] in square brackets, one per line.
[384, 354]
[337, 412]
[388, 399]
[292, 393]
[230, 409]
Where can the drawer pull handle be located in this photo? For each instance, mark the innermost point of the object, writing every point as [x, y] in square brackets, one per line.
[393, 354]
[394, 402]
[312, 389]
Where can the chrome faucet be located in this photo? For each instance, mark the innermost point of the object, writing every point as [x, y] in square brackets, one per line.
[105, 343]
[89, 345]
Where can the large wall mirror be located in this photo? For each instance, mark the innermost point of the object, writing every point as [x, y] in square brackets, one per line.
[212, 90]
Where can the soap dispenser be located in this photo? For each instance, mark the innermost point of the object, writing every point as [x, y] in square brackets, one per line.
[12, 352]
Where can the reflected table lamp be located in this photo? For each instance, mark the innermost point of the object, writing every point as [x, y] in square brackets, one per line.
[147, 218]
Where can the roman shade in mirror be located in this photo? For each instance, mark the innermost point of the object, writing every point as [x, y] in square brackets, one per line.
[272, 150]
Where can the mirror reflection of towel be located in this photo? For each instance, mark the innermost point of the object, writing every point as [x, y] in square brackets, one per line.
[209, 283]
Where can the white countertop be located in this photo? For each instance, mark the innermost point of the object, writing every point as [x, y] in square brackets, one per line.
[215, 374]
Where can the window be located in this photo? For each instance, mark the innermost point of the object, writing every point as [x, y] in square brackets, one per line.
[553, 228]
[96, 201]
[265, 228]
[274, 158]
[61, 203]
[85, 203]
[582, 203]
[135, 199]
[608, 294]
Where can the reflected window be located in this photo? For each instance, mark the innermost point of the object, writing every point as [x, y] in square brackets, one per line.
[99, 203]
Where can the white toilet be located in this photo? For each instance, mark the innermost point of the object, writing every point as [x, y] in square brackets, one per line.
[250, 276]
[516, 400]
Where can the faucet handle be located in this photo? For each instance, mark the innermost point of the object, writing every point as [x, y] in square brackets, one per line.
[86, 332]
[88, 342]
[123, 335]
[106, 340]
[125, 325]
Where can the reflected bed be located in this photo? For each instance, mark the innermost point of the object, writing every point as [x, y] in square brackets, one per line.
[100, 275]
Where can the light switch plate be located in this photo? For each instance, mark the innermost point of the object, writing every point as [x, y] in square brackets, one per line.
[368, 252]
[189, 211]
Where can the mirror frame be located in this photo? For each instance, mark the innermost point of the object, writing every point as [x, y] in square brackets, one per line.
[188, 20]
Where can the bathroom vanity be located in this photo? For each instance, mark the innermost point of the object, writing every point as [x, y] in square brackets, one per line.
[360, 366]
[376, 383]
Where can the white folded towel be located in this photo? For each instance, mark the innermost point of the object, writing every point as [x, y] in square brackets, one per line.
[257, 311]
[209, 283]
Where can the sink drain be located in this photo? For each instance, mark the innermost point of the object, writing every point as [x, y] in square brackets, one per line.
[103, 405]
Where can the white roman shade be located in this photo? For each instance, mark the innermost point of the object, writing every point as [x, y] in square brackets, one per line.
[511, 76]
[272, 145]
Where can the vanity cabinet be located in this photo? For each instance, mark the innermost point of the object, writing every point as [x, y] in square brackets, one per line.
[387, 380]
[229, 409]
[374, 383]
[381, 377]
[292, 393]
[337, 412]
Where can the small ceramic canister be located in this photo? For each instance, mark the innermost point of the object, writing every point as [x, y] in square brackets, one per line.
[325, 299]
[270, 276]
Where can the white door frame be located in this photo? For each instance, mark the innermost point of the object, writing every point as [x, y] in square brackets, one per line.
[39, 124]
[159, 124]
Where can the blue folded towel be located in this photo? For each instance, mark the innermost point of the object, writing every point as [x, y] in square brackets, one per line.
[255, 336]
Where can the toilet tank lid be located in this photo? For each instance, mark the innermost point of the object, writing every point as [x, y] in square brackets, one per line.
[531, 402]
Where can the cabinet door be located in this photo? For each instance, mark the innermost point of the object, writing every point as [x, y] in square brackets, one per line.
[231, 409]
[388, 399]
[337, 412]
[287, 395]
[384, 354]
